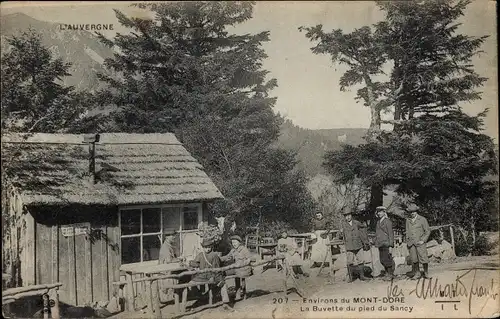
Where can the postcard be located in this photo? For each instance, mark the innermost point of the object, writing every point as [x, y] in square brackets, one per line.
[220, 159]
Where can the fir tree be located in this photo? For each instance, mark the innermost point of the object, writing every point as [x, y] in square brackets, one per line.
[436, 153]
[33, 96]
[183, 72]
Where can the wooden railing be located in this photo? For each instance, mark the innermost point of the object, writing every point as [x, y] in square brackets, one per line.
[48, 293]
[152, 284]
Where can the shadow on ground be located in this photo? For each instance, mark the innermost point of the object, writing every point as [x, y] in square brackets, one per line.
[202, 305]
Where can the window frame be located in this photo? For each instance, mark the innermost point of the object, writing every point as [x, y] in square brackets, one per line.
[141, 234]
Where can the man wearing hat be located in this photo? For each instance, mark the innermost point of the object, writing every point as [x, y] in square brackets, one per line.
[355, 240]
[384, 241]
[210, 259]
[417, 233]
[239, 255]
[169, 249]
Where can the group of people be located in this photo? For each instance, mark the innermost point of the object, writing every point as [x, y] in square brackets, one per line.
[239, 256]
[356, 241]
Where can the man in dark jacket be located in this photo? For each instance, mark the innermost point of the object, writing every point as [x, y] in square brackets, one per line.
[356, 241]
[417, 234]
[384, 241]
[210, 259]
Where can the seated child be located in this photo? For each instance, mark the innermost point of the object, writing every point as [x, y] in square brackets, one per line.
[290, 249]
[239, 255]
[210, 259]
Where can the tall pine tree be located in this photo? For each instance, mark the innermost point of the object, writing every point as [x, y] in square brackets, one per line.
[33, 96]
[436, 153]
[183, 72]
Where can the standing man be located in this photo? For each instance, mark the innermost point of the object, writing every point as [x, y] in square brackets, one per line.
[384, 241]
[355, 240]
[417, 233]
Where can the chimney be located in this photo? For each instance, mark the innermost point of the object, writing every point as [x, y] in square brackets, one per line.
[91, 140]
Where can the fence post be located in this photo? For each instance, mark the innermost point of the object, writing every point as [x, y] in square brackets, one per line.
[54, 297]
[285, 277]
[452, 240]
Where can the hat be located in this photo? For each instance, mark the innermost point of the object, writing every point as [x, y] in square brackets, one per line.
[380, 208]
[235, 237]
[412, 208]
[207, 242]
[346, 212]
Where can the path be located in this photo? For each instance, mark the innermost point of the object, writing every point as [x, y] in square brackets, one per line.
[325, 297]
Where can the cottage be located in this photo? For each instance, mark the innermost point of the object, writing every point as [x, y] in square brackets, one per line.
[82, 206]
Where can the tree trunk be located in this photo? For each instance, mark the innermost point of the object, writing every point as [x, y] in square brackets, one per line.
[397, 104]
[376, 199]
[375, 122]
[377, 190]
[473, 231]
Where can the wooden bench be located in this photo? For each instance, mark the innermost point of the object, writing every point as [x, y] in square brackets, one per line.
[209, 287]
[180, 299]
[49, 293]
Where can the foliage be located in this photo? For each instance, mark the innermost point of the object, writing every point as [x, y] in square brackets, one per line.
[335, 198]
[183, 72]
[481, 247]
[365, 57]
[311, 145]
[432, 62]
[275, 228]
[436, 153]
[33, 98]
[210, 232]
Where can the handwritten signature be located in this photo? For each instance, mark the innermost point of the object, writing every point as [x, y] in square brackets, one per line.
[432, 288]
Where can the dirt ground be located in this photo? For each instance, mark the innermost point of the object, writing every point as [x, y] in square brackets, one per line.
[468, 286]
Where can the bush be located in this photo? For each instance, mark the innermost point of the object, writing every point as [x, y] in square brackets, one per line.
[482, 247]
[210, 232]
[275, 228]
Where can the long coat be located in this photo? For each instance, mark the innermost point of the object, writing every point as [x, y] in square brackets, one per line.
[417, 230]
[384, 234]
[355, 235]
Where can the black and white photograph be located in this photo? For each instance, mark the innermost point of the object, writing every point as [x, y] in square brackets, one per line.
[250, 159]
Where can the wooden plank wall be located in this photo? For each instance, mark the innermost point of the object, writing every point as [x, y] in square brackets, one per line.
[22, 242]
[87, 265]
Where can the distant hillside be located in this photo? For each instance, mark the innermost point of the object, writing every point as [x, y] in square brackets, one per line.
[311, 145]
[81, 48]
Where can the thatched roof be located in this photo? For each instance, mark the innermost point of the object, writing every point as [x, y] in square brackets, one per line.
[53, 169]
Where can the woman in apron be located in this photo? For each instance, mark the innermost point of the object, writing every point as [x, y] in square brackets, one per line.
[319, 247]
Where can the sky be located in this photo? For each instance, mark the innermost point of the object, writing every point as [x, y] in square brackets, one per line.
[308, 92]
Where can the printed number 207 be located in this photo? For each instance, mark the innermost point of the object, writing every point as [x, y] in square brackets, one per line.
[280, 300]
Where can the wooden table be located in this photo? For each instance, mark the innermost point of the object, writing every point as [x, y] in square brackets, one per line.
[152, 288]
[303, 237]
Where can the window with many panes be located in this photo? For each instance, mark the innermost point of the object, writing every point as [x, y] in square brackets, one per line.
[143, 228]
